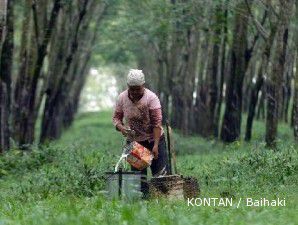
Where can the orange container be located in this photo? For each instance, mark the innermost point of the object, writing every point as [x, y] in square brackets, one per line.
[139, 156]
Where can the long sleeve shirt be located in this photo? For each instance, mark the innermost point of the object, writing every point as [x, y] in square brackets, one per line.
[141, 116]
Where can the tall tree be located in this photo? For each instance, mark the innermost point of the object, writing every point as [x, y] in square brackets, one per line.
[6, 56]
[58, 94]
[224, 34]
[295, 101]
[258, 81]
[35, 42]
[212, 77]
[275, 79]
[182, 68]
[231, 125]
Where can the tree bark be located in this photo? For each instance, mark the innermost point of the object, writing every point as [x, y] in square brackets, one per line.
[200, 109]
[6, 61]
[275, 79]
[52, 119]
[60, 95]
[253, 102]
[295, 101]
[231, 125]
[261, 105]
[222, 71]
[289, 75]
[257, 88]
[212, 78]
[182, 71]
[73, 100]
[22, 80]
[25, 112]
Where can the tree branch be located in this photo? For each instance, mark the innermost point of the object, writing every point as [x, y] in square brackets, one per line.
[256, 37]
[35, 19]
[268, 6]
[259, 26]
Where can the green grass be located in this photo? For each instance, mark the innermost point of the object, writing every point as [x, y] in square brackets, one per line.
[61, 183]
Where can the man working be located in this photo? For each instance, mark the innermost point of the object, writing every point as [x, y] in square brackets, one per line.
[141, 110]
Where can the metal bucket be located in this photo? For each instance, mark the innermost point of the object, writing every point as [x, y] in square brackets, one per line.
[124, 185]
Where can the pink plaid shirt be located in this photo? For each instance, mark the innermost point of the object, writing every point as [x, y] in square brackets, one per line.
[141, 116]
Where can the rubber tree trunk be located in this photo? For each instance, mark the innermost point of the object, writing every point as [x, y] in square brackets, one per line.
[253, 102]
[33, 51]
[200, 109]
[275, 79]
[73, 101]
[59, 96]
[6, 61]
[231, 126]
[182, 70]
[163, 87]
[222, 72]
[258, 86]
[261, 105]
[295, 101]
[189, 73]
[288, 89]
[212, 78]
[295, 105]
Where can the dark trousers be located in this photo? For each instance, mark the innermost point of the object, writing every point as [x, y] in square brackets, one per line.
[159, 166]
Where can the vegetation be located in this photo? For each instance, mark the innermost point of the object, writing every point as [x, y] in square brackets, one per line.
[61, 183]
[226, 74]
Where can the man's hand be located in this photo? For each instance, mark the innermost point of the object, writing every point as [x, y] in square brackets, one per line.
[155, 151]
[127, 132]
[124, 131]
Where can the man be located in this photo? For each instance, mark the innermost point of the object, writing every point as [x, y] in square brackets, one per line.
[141, 110]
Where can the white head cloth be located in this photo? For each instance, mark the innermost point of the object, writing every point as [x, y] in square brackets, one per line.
[135, 77]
